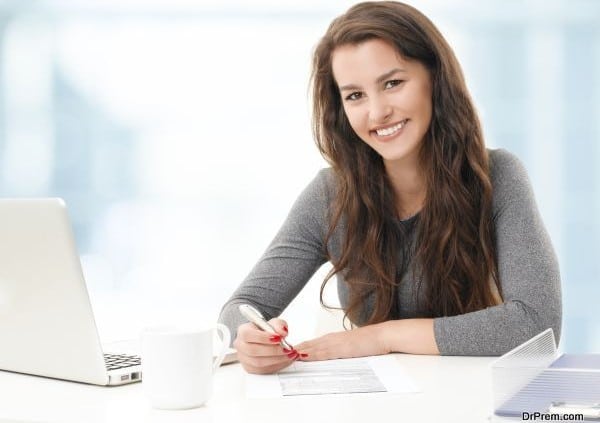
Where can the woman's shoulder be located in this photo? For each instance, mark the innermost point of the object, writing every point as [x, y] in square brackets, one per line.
[505, 166]
[324, 182]
[326, 175]
[503, 161]
[318, 194]
[508, 176]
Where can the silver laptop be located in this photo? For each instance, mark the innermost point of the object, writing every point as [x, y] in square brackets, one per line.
[47, 326]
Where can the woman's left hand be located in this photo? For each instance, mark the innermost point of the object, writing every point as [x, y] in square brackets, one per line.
[358, 342]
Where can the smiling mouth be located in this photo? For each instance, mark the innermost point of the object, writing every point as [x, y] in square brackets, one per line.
[392, 130]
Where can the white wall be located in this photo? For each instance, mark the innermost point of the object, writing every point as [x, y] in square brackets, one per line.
[179, 134]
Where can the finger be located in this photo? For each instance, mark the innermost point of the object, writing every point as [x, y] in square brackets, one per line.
[261, 350]
[307, 353]
[280, 326]
[264, 351]
[250, 333]
[262, 361]
[263, 365]
[299, 354]
[302, 356]
[314, 350]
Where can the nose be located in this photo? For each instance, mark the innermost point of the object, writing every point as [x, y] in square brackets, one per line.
[380, 109]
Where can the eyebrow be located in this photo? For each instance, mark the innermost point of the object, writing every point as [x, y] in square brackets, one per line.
[378, 80]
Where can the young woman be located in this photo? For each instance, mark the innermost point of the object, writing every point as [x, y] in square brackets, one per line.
[436, 242]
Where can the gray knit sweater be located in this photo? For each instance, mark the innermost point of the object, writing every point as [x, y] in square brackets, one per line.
[527, 265]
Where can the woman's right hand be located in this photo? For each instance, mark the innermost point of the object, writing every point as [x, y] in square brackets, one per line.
[260, 352]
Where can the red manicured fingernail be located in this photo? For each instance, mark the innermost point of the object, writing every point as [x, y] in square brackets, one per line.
[285, 328]
[303, 355]
[293, 354]
[287, 351]
[275, 338]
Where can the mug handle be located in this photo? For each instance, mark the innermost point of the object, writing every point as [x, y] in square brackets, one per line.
[226, 339]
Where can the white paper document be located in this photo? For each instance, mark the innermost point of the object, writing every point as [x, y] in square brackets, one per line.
[380, 374]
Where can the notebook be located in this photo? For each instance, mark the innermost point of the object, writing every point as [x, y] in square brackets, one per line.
[47, 326]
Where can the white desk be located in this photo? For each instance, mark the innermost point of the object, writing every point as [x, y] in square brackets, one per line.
[454, 389]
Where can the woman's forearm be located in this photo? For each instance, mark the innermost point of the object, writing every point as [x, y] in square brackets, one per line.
[413, 336]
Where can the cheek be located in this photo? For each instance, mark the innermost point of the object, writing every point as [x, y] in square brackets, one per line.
[354, 118]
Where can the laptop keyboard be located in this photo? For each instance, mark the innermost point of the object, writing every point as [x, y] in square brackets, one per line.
[120, 361]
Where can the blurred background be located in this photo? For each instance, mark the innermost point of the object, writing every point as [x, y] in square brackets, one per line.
[178, 132]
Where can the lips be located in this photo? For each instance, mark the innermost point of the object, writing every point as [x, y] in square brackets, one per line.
[390, 130]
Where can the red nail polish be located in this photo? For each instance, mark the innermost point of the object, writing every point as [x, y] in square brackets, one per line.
[292, 354]
[287, 351]
[303, 355]
[275, 338]
[285, 328]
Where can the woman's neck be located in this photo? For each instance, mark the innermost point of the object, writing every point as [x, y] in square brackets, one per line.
[409, 188]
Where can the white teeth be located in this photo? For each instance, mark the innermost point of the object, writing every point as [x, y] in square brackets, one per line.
[391, 130]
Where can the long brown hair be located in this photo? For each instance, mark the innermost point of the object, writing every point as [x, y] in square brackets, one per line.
[455, 249]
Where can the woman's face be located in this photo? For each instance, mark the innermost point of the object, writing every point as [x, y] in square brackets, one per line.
[387, 99]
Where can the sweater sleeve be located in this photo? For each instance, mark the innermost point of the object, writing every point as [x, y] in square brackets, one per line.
[527, 269]
[292, 258]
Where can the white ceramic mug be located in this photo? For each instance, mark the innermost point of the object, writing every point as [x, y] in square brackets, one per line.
[178, 365]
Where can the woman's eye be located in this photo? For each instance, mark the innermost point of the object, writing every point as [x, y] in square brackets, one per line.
[354, 96]
[393, 83]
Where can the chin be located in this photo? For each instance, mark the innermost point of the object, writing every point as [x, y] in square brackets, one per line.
[398, 156]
